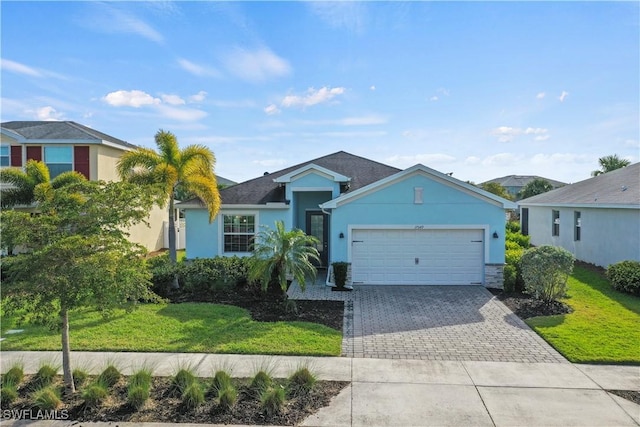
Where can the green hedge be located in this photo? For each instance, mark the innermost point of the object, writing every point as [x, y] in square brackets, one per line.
[625, 276]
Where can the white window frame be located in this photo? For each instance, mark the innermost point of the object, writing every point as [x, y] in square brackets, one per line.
[223, 233]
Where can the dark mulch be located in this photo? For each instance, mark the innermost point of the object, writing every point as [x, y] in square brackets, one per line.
[633, 396]
[164, 405]
[271, 306]
[524, 306]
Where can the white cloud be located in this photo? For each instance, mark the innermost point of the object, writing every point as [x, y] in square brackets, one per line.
[500, 159]
[472, 160]
[49, 114]
[363, 120]
[172, 99]
[257, 65]
[632, 143]
[112, 20]
[271, 109]
[563, 96]
[425, 159]
[372, 87]
[16, 67]
[341, 14]
[270, 162]
[198, 97]
[198, 70]
[508, 134]
[312, 97]
[130, 98]
[540, 95]
[559, 159]
[181, 114]
[433, 98]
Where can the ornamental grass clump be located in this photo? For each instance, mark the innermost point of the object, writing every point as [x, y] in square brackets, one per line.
[80, 376]
[47, 398]
[301, 381]
[181, 380]
[260, 382]
[193, 395]
[45, 375]
[95, 393]
[139, 388]
[272, 400]
[14, 376]
[545, 271]
[110, 376]
[8, 392]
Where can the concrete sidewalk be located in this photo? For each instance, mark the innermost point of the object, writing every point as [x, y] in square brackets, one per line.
[386, 392]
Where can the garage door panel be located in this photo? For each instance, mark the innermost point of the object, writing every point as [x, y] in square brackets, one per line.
[403, 256]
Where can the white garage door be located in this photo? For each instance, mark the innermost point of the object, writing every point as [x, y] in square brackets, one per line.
[417, 257]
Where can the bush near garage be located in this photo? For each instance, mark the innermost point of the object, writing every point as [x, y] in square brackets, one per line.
[515, 245]
[545, 270]
[625, 276]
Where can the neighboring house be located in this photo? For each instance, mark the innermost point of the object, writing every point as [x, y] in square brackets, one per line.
[514, 183]
[413, 226]
[598, 219]
[66, 146]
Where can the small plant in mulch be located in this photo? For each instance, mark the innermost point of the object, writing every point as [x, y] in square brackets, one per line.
[8, 392]
[272, 400]
[47, 398]
[14, 375]
[301, 381]
[95, 393]
[193, 396]
[181, 380]
[260, 382]
[109, 376]
[80, 377]
[45, 375]
[139, 388]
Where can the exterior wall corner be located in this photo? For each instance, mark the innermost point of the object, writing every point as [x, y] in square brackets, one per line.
[494, 276]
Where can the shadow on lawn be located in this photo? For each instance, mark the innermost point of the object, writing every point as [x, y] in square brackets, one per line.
[594, 277]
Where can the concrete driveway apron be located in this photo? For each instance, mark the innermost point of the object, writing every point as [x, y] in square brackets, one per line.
[461, 323]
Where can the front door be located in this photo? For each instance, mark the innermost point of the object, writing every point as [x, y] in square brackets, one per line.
[317, 227]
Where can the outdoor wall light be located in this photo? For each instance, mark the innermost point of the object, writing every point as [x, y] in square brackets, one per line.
[341, 235]
[495, 234]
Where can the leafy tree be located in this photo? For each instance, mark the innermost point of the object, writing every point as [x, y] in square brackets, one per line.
[279, 254]
[189, 170]
[535, 187]
[610, 163]
[77, 256]
[24, 184]
[545, 270]
[497, 189]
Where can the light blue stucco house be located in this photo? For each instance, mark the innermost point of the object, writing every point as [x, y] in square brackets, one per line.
[407, 227]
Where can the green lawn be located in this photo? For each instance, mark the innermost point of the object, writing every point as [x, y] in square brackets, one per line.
[604, 327]
[187, 327]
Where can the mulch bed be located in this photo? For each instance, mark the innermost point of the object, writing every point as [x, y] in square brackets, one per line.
[165, 406]
[524, 306]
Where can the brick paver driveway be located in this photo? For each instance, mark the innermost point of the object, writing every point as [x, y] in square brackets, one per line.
[432, 323]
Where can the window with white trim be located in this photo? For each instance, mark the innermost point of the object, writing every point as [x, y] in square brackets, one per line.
[5, 159]
[555, 223]
[239, 232]
[58, 160]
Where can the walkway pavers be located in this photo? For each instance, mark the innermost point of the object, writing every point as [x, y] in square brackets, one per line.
[432, 323]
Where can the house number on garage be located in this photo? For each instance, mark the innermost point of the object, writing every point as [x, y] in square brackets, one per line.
[419, 227]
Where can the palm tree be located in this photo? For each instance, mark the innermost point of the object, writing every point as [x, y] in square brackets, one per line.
[190, 169]
[535, 187]
[610, 163]
[279, 254]
[35, 179]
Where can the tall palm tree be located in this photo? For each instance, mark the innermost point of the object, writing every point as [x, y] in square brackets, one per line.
[610, 163]
[279, 254]
[24, 185]
[170, 168]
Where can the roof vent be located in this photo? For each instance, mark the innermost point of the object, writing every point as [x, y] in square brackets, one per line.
[265, 174]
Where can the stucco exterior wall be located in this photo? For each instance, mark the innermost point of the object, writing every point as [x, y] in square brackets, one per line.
[442, 206]
[103, 162]
[607, 235]
[150, 236]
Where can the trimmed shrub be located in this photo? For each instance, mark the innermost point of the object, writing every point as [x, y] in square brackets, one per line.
[513, 226]
[162, 274]
[47, 398]
[513, 281]
[110, 376]
[545, 271]
[205, 276]
[510, 274]
[522, 240]
[272, 401]
[625, 276]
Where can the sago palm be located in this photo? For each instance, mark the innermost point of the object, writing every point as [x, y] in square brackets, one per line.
[279, 254]
[190, 168]
[22, 184]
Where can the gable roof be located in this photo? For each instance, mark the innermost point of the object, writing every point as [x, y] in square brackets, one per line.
[263, 190]
[432, 174]
[43, 132]
[522, 180]
[618, 188]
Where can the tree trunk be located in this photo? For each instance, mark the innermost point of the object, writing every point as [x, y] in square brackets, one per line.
[173, 256]
[66, 354]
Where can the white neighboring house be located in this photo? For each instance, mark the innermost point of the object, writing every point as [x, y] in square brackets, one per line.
[598, 219]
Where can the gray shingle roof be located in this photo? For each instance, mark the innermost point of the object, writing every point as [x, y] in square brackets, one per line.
[522, 180]
[618, 187]
[262, 190]
[67, 130]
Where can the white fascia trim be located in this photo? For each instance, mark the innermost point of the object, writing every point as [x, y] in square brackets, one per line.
[310, 168]
[71, 142]
[579, 205]
[484, 227]
[438, 176]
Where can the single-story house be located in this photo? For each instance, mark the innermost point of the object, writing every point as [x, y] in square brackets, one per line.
[69, 146]
[414, 226]
[597, 220]
[514, 184]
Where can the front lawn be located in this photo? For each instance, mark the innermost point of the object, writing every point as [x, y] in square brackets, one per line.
[187, 327]
[604, 327]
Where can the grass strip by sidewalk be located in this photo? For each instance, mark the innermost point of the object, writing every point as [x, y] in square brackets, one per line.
[187, 327]
[604, 327]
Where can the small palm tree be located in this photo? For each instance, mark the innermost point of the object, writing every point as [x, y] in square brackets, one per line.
[25, 185]
[610, 163]
[279, 254]
[190, 169]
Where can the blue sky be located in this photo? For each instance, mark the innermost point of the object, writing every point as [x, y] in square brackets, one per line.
[482, 89]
